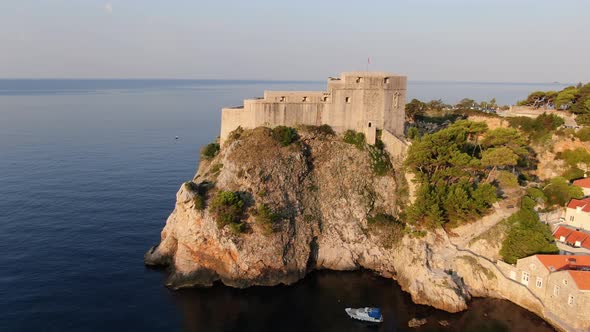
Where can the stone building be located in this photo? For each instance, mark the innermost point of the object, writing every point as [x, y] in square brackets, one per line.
[366, 102]
[560, 282]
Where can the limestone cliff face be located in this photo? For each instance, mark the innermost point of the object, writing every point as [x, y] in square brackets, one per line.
[324, 189]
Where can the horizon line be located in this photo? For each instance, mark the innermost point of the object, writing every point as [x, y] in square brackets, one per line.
[247, 80]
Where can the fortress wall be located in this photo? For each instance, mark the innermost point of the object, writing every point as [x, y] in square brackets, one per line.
[287, 114]
[351, 102]
[232, 118]
[397, 148]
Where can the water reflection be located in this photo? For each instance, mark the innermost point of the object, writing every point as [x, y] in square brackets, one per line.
[317, 304]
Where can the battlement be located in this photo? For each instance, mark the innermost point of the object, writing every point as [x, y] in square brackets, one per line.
[361, 101]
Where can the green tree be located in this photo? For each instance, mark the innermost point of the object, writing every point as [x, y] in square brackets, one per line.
[498, 157]
[414, 109]
[526, 236]
[465, 104]
[565, 98]
[447, 165]
[559, 192]
[493, 103]
[436, 105]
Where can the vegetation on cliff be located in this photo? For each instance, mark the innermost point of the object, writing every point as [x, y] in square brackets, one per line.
[456, 168]
[266, 218]
[354, 138]
[556, 192]
[210, 150]
[577, 160]
[526, 234]
[387, 228]
[200, 193]
[284, 135]
[228, 209]
[436, 111]
[539, 129]
[572, 98]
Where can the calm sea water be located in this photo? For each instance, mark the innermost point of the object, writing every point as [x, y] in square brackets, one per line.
[88, 175]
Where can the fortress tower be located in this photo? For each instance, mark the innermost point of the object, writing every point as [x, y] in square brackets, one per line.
[361, 101]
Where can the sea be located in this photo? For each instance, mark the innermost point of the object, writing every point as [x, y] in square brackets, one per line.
[88, 175]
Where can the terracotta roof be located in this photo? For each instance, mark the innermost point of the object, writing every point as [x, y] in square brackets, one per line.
[582, 279]
[572, 235]
[562, 231]
[583, 203]
[584, 183]
[564, 262]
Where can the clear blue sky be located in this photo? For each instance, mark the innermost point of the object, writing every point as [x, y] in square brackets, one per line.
[482, 40]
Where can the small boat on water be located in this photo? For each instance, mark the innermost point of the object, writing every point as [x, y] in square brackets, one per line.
[367, 314]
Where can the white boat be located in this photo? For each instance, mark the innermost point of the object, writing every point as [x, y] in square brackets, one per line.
[367, 314]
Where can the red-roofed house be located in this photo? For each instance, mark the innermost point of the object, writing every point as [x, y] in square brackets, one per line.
[571, 241]
[577, 213]
[584, 184]
[562, 282]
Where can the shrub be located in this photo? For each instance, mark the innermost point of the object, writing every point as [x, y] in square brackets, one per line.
[200, 191]
[538, 129]
[574, 157]
[573, 173]
[387, 228]
[284, 135]
[583, 119]
[237, 228]
[228, 208]
[584, 134]
[322, 131]
[537, 195]
[326, 130]
[266, 218]
[507, 179]
[215, 169]
[354, 138]
[210, 151]
[379, 159]
[413, 133]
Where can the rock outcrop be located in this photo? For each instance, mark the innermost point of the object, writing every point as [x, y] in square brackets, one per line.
[324, 189]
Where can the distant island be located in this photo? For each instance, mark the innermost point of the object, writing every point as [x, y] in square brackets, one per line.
[451, 201]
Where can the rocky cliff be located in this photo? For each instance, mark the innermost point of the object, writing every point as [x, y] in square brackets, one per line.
[325, 190]
[327, 193]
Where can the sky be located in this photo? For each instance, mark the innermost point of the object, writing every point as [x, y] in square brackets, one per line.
[448, 40]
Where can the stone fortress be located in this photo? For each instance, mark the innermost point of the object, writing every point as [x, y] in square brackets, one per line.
[367, 102]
